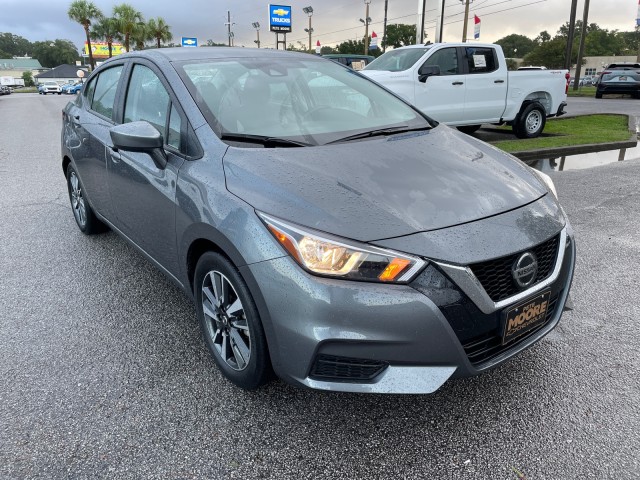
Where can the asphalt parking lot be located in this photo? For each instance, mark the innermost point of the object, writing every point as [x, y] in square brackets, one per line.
[103, 372]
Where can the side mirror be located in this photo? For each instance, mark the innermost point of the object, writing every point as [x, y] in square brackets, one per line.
[427, 71]
[140, 137]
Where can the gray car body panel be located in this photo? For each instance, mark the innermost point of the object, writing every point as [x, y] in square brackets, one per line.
[383, 187]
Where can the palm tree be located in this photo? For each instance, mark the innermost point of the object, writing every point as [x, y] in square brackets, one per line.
[83, 11]
[159, 30]
[107, 30]
[140, 34]
[127, 17]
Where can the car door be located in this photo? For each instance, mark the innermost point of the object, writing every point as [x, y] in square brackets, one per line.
[91, 123]
[486, 92]
[142, 193]
[442, 96]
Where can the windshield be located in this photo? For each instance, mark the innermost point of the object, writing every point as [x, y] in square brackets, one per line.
[397, 60]
[312, 102]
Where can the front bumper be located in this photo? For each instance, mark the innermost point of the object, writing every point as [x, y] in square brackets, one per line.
[419, 334]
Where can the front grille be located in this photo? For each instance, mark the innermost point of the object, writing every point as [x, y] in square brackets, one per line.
[496, 275]
[485, 347]
[330, 367]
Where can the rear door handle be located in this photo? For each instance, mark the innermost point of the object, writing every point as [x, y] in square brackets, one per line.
[498, 81]
[457, 83]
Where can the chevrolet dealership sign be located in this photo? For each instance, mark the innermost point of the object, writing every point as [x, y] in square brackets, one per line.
[280, 18]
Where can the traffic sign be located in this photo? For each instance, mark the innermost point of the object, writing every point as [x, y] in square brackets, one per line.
[189, 42]
[280, 18]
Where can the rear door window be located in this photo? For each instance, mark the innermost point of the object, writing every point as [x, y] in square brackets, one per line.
[104, 96]
[481, 59]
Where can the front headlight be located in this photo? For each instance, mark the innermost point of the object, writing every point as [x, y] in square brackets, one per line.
[547, 181]
[323, 254]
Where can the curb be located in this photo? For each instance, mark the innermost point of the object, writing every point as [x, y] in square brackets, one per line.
[555, 152]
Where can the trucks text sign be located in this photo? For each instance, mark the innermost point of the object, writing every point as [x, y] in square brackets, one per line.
[280, 18]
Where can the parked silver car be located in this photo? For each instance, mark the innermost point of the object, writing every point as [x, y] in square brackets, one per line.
[326, 230]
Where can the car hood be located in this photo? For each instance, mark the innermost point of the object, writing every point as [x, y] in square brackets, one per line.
[383, 187]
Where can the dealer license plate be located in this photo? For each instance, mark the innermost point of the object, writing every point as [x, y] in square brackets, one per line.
[525, 317]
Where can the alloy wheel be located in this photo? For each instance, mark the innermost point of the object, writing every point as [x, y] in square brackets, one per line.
[226, 321]
[77, 200]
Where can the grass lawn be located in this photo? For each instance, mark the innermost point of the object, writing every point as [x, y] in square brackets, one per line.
[582, 92]
[583, 130]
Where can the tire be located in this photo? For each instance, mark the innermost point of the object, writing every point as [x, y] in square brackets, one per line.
[468, 129]
[530, 121]
[59, 93]
[598, 95]
[86, 220]
[230, 322]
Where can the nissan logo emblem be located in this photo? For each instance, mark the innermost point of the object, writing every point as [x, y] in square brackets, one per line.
[525, 269]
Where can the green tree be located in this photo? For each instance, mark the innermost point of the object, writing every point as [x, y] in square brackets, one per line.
[140, 35]
[628, 42]
[106, 29]
[210, 43]
[83, 12]
[28, 78]
[516, 46]
[14, 45]
[543, 37]
[4, 54]
[127, 17]
[51, 54]
[399, 35]
[159, 30]
[511, 64]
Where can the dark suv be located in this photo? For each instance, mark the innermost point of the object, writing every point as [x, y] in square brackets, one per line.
[619, 78]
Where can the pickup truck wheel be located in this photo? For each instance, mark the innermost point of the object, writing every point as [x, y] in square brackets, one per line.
[530, 121]
[468, 129]
[230, 322]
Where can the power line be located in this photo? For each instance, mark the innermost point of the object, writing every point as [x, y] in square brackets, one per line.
[428, 21]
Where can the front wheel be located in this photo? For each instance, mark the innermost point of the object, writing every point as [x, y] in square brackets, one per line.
[230, 322]
[598, 95]
[530, 122]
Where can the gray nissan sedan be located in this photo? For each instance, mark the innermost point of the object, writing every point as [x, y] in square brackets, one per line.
[327, 231]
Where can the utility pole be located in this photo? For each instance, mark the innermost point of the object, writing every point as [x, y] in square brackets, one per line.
[466, 19]
[439, 39]
[309, 12]
[585, 17]
[228, 24]
[384, 33]
[256, 25]
[424, 12]
[366, 27]
[572, 32]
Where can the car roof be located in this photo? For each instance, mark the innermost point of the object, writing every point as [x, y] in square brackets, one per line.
[179, 54]
[624, 65]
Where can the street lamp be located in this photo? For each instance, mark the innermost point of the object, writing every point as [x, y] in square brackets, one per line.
[256, 25]
[366, 26]
[309, 12]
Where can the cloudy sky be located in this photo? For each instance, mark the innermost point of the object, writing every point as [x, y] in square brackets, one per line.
[334, 21]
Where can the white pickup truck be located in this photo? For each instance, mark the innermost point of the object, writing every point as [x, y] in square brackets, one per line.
[467, 84]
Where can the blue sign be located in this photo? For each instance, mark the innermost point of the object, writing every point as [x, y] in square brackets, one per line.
[280, 18]
[189, 42]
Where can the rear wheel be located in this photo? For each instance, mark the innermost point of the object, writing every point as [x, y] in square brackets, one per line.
[598, 94]
[468, 129]
[230, 322]
[87, 222]
[530, 121]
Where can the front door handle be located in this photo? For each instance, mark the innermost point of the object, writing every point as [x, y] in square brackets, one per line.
[498, 81]
[457, 83]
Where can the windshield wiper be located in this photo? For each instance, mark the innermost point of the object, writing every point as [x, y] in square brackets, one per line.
[380, 132]
[263, 140]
